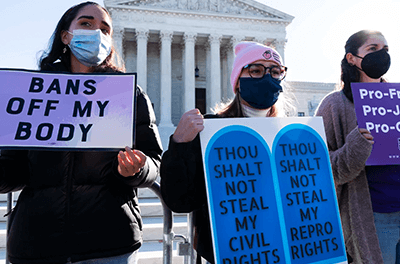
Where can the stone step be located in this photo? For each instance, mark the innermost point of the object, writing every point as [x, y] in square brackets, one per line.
[153, 227]
[3, 196]
[3, 234]
[146, 193]
[150, 207]
[3, 211]
[153, 207]
[152, 253]
[3, 256]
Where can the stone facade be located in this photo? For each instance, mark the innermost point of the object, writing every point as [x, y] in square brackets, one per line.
[309, 95]
[182, 50]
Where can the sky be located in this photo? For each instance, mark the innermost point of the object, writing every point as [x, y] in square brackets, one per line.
[315, 38]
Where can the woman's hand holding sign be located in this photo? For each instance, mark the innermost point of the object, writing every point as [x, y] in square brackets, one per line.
[367, 135]
[189, 126]
[130, 161]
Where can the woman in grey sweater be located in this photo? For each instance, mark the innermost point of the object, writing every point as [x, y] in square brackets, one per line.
[366, 60]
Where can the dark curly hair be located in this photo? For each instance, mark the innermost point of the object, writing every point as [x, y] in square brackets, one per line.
[56, 46]
[350, 73]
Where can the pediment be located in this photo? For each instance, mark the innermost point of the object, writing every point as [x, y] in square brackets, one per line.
[241, 8]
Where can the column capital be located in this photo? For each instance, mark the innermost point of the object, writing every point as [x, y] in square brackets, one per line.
[142, 34]
[118, 42]
[279, 43]
[118, 32]
[166, 35]
[235, 40]
[261, 40]
[190, 37]
[215, 39]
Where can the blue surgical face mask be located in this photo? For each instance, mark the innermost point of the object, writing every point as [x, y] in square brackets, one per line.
[260, 93]
[90, 47]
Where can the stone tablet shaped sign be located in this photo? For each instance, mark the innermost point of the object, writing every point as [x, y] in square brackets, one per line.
[313, 229]
[265, 207]
[246, 223]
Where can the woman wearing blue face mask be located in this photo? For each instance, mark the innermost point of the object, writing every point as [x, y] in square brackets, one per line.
[81, 206]
[368, 196]
[256, 79]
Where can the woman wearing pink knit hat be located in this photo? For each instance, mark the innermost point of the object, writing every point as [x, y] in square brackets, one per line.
[256, 81]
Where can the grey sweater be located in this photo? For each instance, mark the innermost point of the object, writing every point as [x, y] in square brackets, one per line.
[348, 151]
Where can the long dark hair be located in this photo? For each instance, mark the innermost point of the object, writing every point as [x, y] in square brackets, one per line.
[350, 73]
[56, 48]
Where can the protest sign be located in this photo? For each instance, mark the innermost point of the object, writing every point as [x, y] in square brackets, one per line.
[68, 111]
[377, 108]
[270, 191]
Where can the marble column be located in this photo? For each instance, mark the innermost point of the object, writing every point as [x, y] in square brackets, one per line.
[142, 35]
[279, 45]
[189, 66]
[215, 76]
[225, 84]
[230, 59]
[208, 76]
[118, 38]
[165, 57]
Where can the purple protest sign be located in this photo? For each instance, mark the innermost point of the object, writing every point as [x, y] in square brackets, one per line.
[68, 111]
[377, 109]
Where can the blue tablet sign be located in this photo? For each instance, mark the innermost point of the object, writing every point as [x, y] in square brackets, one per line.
[277, 207]
[308, 200]
[245, 218]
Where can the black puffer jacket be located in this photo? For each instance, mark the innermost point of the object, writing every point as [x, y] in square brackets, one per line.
[75, 205]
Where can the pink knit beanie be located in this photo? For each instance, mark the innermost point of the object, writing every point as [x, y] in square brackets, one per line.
[247, 52]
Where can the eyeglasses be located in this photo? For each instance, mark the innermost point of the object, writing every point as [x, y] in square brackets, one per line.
[258, 71]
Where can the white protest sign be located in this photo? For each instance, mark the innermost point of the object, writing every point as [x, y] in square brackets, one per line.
[270, 191]
[69, 111]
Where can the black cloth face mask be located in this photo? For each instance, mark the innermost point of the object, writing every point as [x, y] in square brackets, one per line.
[375, 64]
[260, 93]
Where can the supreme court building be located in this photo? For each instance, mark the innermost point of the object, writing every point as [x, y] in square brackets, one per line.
[183, 51]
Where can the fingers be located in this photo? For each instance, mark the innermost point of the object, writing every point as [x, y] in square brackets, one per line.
[367, 135]
[370, 139]
[130, 161]
[193, 117]
[141, 156]
[194, 111]
[189, 126]
[122, 164]
[364, 130]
